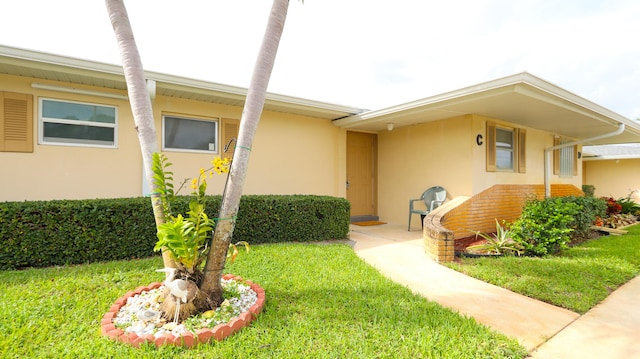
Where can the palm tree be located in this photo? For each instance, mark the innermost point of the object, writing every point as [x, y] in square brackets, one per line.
[248, 123]
[140, 103]
[143, 116]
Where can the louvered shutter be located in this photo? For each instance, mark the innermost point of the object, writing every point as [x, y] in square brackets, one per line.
[491, 147]
[556, 157]
[522, 155]
[16, 122]
[229, 131]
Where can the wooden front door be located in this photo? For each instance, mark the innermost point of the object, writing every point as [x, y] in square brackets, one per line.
[361, 173]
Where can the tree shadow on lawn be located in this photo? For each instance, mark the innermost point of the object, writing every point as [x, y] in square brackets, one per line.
[572, 280]
[366, 320]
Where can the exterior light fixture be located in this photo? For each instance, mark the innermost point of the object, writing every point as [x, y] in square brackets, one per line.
[390, 126]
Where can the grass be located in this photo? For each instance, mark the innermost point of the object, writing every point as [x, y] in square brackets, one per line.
[577, 280]
[322, 302]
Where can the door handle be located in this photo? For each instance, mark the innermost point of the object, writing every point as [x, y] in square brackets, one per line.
[348, 184]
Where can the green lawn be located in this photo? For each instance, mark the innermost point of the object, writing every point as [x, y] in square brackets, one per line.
[578, 279]
[322, 302]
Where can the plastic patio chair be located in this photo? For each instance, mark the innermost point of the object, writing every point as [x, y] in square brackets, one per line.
[432, 197]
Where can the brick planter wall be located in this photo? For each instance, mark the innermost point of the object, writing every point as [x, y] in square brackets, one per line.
[459, 217]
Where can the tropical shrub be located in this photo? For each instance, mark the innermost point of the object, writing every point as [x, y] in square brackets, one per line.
[501, 243]
[628, 205]
[588, 189]
[590, 209]
[544, 226]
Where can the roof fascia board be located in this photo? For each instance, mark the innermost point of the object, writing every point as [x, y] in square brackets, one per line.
[432, 103]
[456, 94]
[552, 94]
[51, 62]
[43, 58]
[200, 86]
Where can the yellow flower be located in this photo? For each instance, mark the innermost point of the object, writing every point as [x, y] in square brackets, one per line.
[194, 183]
[220, 165]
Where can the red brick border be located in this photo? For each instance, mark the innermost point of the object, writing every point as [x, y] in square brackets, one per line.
[186, 339]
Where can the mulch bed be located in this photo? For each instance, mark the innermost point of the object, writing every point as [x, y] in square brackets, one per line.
[461, 244]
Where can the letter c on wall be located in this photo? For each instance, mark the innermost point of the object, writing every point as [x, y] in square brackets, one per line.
[479, 140]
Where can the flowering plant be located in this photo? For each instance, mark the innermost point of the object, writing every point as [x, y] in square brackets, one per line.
[185, 237]
[613, 207]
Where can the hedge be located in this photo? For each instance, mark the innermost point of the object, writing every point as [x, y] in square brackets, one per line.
[48, 233]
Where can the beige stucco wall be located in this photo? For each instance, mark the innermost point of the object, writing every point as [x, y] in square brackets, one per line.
[536, 142]
[414, 158]
[445, 153]
[615, 178]
[291, 154]
[69, 172]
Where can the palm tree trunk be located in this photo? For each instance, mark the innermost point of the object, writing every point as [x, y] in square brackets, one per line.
[249, 122]
[140, 102]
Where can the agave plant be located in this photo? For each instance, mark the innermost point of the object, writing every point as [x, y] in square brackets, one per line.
[501, 243]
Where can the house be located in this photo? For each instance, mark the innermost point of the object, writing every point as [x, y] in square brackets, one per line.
[613, 170]
[70, 135]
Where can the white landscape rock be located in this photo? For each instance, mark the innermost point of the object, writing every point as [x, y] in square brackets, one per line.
[141, 314]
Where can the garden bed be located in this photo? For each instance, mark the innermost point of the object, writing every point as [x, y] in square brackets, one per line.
[186, 338]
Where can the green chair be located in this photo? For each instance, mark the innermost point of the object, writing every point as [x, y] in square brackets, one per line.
[433, 198]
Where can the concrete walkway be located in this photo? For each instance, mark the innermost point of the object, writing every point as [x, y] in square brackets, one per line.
[610, 330]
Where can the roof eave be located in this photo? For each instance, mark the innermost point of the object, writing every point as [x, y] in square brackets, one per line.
[51, 62]
[464, 101]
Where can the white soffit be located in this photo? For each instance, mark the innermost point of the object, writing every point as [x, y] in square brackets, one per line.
[522, 99]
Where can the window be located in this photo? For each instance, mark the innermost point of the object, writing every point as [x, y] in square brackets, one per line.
[189, 134]
[76, 123]
[16, 122]
[565, 160]
[505, 149]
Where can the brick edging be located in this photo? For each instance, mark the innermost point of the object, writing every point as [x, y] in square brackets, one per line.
[186, 339]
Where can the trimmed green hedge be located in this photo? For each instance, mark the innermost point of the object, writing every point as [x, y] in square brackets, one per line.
[47, 233]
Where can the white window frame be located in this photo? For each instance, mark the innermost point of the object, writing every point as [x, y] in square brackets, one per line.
[75, 142]
[213, 147]
[511, 149]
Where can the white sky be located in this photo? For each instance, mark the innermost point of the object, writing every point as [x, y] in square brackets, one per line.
[361, 53]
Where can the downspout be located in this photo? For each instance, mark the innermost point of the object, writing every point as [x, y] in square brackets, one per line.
[548, 151]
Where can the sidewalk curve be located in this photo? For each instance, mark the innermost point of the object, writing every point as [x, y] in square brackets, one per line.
[545, 330]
